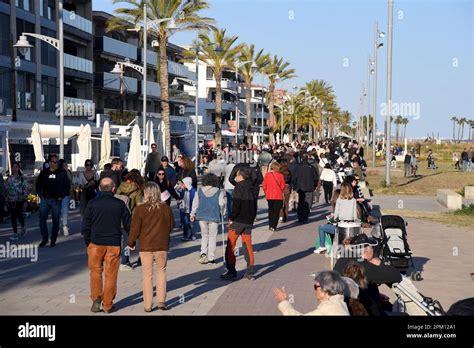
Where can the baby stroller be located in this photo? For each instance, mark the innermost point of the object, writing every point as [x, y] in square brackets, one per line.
[395, 250]
[410, 301]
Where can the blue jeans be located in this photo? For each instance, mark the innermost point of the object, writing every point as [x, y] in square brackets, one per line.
[47, 205]
[188, 231]
[465, 166]
[230, 196]
[322, 229]
[65, 209]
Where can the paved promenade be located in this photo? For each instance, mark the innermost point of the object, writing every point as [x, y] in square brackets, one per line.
[58, 282]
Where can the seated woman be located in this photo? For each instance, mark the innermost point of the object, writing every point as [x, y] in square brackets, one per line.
[345, 210]
[328, 228]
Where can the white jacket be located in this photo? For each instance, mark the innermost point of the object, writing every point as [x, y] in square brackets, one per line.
[328, 175]
[335, 305]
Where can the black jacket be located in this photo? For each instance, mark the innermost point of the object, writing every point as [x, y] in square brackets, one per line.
[112, 174]
[256, 177]
[104, 218]
[305, 178]
[244, 209]
[53, 185]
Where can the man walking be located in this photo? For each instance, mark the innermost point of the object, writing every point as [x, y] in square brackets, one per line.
[115, 173]
[152, 163]
[240, 224]
[305, 182]
[52, 186]
[102, 229]
[407, 165]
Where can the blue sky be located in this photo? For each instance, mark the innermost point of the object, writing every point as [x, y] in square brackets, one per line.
[432, 49]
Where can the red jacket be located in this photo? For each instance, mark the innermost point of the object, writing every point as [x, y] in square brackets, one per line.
[273, 185]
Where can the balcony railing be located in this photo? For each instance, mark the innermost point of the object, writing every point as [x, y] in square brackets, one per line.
[152, 89]
[77, 63]
[119, 48]
[112, 82]
[76, 21]
[173, 67]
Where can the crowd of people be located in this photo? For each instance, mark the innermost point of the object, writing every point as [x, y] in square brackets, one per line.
[125, 210]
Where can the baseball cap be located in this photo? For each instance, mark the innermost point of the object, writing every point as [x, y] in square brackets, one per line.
[164, 159]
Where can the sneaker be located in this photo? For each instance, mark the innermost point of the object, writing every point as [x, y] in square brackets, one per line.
[249, 276]
[96, 305]
[23, 231]
[52, 244]
[203, 259]
[229, 275]
[272, 229]
[66, 230]
[319, 250]
[126, 267]
[211, 261]
[14, 237]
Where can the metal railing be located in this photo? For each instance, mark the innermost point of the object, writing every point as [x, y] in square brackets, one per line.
[76, 21]
[77, 63]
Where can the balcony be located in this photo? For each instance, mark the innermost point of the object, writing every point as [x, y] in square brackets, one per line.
[77, 63]
[116, 48]
[225, 84]
[112, 82]
[76, 21]
[174, 68]
[226, 105]
[152, 89]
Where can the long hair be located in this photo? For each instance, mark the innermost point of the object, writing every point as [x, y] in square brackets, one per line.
[188, 165]
[356, 273]
[346, 191]
[135, 176]
[152, 196]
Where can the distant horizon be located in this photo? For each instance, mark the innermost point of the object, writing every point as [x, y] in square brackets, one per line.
[432, 47]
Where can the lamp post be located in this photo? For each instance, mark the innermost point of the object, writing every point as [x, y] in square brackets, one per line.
[389, 91]
[24, 46]
[377, 35]
[370, 71]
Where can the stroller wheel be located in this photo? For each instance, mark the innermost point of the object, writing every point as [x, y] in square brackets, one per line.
[416, 276]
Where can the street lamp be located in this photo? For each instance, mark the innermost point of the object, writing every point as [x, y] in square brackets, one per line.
[23, 47]
[389, 91]
[377, 35]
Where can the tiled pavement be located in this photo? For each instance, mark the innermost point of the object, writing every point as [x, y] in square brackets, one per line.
[58, 283]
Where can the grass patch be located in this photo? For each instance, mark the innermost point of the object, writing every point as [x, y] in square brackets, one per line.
[466, 210]
[451, 218]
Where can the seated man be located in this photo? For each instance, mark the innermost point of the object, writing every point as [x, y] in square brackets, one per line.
[376, 272]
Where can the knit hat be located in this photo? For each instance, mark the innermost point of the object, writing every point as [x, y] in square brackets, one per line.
[188, 182]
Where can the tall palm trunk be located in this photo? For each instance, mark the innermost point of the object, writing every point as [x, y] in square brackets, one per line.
[218, 122]
[459, 132]
[248, 110]
[454, 130]
[165, 106]
[271, 114]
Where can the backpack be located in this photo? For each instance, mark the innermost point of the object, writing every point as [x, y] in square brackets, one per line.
[126, 199]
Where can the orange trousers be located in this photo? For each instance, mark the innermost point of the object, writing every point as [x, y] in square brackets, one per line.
[232, 238]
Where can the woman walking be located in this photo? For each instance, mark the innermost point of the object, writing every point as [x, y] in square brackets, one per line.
[273, 186]
[186, 169]
[152, 223]
[165, 186]
[15, 192]
[208, 206]
[286, 192]
[329, 181]
[88, 181]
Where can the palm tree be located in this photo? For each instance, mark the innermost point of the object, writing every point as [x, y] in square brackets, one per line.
[295, 113]
[320, 90]
[218, 51]
[404, 123]
[398, 122]
[462, 123]
[454, 119]
[276, 69]
[459, 121]
[247, 70]
[186, 17]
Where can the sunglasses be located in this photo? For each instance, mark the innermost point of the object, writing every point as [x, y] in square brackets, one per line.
[89, 165]
[54, 162]
[161, 174]
[316, 286]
